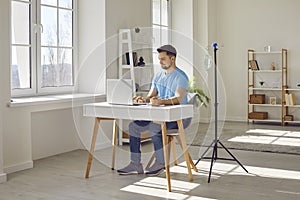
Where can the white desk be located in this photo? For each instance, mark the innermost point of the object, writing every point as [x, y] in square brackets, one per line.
[162, 114]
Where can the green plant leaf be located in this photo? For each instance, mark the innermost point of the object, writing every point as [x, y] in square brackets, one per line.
[202, 97]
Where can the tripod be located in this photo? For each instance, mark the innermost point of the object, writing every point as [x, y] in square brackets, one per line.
[216, 140]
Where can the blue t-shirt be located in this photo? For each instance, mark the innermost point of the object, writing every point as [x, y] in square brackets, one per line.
[166, 84]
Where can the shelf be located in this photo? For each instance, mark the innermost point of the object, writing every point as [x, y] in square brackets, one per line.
[266, 71]
[266, 120]
[292, 89]
[292, 122]
[263, 52]
[292, 106]
[266, 89]
[266, 105]
[136, 67]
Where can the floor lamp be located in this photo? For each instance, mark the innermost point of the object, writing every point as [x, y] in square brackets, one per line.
[216, 140]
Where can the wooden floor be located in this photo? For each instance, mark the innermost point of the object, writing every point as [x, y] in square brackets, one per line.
[272, 176]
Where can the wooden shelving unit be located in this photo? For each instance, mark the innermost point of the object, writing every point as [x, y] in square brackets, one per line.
[269, 82]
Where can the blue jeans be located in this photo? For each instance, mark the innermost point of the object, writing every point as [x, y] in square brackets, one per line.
[135, 129]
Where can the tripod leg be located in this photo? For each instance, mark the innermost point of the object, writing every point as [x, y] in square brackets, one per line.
[233, 156]
[204, 153]
[212, 162]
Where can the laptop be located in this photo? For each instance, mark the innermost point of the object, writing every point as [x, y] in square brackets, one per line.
[120, 91]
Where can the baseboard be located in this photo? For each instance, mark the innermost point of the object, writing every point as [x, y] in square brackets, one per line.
[3, 178]
[204, 120]
[102, 146]
[235, 119]
[18, 167]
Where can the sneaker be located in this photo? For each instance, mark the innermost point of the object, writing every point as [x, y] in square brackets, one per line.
[132, 168]
[155, 169]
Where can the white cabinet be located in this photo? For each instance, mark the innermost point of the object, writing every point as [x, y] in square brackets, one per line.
[131, 49]
[130, 52]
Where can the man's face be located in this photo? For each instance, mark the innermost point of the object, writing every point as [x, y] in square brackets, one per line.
[165, 60]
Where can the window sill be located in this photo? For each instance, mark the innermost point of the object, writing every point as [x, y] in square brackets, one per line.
[64, 98]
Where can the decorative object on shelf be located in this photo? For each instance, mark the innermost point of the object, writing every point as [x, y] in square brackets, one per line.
[288, 118]
[272, 100]
[267, 49]
[261, 83]
[257, 98]
[258, 115]
[141, 62]
[273, 66]
[253, 65]
[137, 30]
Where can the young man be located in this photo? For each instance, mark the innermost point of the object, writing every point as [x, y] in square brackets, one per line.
[169, 87]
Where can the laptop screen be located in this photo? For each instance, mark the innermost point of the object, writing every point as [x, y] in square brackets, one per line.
[119, 91]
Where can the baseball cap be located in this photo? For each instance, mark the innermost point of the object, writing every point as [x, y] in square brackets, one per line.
[168, 48]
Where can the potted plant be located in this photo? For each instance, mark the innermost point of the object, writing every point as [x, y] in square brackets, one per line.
[202, 97]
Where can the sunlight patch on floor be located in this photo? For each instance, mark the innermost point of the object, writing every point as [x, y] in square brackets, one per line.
[157, 186]
[267, 140]
[235, 169]
[268, 132]
[277, 133]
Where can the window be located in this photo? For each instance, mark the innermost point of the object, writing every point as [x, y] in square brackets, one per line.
[160, 24]
[42, 47]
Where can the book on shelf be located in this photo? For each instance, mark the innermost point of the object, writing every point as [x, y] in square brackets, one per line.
[253, 65]
[287, 99]
[134, 56]
[290, 99]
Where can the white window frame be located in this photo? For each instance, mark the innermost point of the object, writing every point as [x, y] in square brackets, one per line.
[161, 26]
[35, 68]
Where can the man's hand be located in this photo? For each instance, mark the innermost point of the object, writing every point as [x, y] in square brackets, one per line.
[138, 99]
[155, 101]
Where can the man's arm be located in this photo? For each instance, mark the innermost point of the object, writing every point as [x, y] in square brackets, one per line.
[179, 95]
[152, 93]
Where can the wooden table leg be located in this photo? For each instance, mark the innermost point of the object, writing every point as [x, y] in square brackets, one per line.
[184, 147]
[94, 137]
[114, 141]
[165, 143]
[172, 143]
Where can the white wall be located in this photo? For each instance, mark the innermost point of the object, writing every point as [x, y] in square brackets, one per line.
[200, 50]
[91, 46]
[27, 130]
[123, 14]
[190, 22]
[182, 35]
[243, 24]
[4, 63]
[59, 139]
